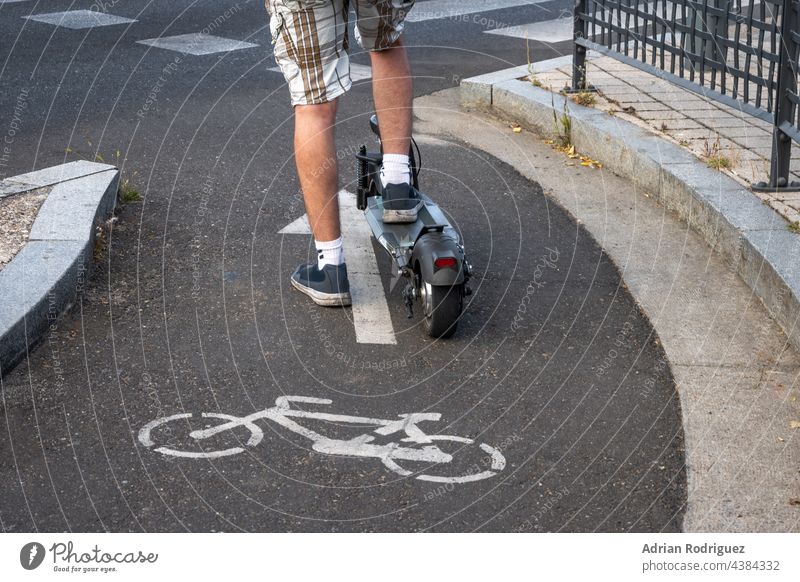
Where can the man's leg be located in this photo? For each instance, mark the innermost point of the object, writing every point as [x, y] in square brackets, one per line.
[315, 155]
[324, 280]
[393, 94]
[309, 41]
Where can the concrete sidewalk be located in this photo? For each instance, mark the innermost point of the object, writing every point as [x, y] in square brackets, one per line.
[725, 138]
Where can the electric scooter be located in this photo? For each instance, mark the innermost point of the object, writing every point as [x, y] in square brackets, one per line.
[428, 252]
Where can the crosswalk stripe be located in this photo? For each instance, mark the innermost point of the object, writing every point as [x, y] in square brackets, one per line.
[371, 317]
[438, 9]
[551, 31]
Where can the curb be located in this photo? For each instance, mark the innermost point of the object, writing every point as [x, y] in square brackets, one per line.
[733, 221]
[43, 279]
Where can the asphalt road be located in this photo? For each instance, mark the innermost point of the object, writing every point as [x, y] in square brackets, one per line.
[189, 311]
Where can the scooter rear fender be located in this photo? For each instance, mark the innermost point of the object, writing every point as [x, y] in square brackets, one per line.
[438, 245]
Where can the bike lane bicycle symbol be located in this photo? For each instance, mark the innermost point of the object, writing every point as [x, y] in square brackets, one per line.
[415, 446]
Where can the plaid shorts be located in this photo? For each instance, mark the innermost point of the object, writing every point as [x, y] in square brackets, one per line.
[311, 41]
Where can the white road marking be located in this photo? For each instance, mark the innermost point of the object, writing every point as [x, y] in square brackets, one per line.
[371, 317]
[197, 44]
[77, 19]
[412, 444]
[299, 226]
[551, 31]
[437, 9]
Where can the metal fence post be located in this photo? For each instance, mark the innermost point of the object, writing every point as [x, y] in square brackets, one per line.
[718, 27]
[784, 108]
[579, 30]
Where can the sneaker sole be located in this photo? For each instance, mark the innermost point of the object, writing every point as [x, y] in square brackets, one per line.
[401, 216]
[324, 299]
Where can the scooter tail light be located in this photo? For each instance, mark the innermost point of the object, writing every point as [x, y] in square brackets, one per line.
[445, 263]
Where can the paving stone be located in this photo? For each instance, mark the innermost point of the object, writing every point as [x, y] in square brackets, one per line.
[650, 106]
[695, 134]
[685, 123]
[727, 122]
[663, 114]
[747, 131]
[693, 105]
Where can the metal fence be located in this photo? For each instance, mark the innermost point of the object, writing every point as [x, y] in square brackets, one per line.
[743, 53]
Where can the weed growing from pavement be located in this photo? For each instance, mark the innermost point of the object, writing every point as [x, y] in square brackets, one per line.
[563, 124]
[719, 162]
[585, 98]
[127, 193]
[794, 227]
[531, 73]
[713, 156]
[584, 95]
[101, 238]
[563, 140]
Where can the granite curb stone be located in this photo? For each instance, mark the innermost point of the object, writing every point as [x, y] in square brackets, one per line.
[44, 278]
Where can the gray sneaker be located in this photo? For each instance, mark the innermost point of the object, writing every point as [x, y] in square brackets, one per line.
[400, 203]
[328, 286]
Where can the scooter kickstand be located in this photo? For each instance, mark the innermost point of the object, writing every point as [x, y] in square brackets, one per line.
[408, 299]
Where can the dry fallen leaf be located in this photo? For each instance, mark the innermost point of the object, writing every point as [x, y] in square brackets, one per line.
[794, 501]
[794, 424]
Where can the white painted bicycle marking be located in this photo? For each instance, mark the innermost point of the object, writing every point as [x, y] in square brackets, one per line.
[363, 446]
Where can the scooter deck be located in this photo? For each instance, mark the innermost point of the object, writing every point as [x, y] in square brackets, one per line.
[398, 238]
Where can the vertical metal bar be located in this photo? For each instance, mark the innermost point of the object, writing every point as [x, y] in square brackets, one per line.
[784, 108]
[717, 49]
[579, 30]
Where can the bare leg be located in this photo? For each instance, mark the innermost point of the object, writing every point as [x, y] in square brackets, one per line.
[315, 155]
[393, 94]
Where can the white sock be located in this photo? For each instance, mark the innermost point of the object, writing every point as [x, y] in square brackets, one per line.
[329, 253]
[395, 169]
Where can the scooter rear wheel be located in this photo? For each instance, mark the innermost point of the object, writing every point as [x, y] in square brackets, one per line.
[441, 306]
